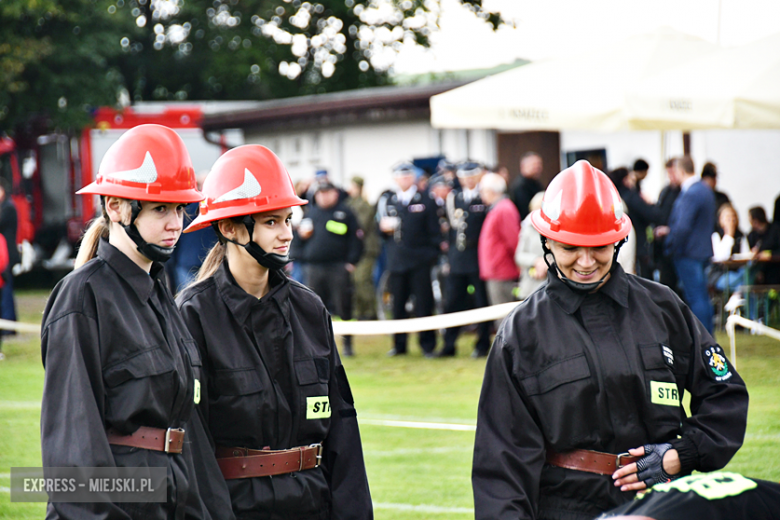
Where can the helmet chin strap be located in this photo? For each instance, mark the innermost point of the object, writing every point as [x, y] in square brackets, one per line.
[153, 252]
[578, 286]
[267, 260]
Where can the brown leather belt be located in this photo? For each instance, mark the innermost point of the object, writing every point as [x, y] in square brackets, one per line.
[157, 439]
[246, 463]
[590, 461]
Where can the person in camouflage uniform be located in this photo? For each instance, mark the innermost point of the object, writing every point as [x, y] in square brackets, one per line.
[364, 302]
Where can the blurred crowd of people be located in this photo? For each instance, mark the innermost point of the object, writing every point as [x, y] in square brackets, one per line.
[458, 238]
[690, 238]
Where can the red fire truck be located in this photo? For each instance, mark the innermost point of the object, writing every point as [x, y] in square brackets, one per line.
[45, 171]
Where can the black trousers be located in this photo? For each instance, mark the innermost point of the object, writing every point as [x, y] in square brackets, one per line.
[333, 283]
[415, 282]
[458, 300]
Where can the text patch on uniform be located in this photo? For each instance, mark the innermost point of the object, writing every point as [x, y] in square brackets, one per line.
[668, 355]
[318, 407]
[664, 393]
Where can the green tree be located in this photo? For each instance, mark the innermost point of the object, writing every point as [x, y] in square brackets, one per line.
[55, 61]
[60, 58]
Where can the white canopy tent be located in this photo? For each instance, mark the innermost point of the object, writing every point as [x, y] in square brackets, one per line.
[731, 88]
[583, 92]
[664, 81]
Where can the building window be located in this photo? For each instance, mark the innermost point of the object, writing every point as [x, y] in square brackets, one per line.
[315, 148]
[275, 146]
[296, 151]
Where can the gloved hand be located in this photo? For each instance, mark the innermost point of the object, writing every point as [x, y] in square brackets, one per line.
[650, 468]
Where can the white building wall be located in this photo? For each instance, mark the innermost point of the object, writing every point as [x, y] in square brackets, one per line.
[748, 164]
[748, 160]
[370, 150]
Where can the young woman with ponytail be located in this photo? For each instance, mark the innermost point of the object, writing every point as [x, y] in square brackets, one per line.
[275, 396]
[122, 376]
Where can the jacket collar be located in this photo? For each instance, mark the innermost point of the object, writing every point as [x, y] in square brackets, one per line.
[238, 300]
[690, 181]
[139, 280]
[499, 200]
[406, 197]
[570, 300]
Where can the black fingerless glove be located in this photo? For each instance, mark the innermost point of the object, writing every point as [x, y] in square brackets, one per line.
[650, 468]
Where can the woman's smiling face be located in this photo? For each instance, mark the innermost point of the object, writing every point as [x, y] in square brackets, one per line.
[582, 264]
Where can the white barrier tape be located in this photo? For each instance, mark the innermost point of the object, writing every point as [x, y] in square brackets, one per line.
[442, 321]
[19, 327]
[760, 328]
[371, 328]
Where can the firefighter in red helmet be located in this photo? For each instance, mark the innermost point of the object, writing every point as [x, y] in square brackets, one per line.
[122, 376]
[275, 397]
[581, 400]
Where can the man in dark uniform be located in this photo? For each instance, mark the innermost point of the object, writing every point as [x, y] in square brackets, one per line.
[439, 188]
[466, 213]
[410, 228]
[447, 170]
[330, 250]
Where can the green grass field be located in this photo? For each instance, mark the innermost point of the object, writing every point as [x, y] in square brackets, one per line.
[414, 473]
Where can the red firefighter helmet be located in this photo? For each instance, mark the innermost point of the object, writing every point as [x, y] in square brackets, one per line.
[245, 180]
[581, 207]
[148, 162]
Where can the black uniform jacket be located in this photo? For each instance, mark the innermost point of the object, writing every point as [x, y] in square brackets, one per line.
[334, 237]
[416, 242]
[466, 221]
[605, 372]
[269, 365]
[117, 354]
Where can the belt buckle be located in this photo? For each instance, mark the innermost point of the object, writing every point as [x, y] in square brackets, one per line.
[618, 459]
[168, 439]
[317, 445]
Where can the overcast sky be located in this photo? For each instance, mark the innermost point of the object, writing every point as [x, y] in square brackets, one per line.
[548, 28]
